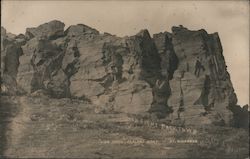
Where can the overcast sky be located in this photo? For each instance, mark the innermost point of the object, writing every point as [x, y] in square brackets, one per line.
[229, 18]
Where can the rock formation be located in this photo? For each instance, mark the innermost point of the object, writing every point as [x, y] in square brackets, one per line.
[180, 76]
[201, 92]
[10, 52]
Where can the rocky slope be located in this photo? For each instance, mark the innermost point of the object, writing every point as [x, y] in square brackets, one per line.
[139, 74]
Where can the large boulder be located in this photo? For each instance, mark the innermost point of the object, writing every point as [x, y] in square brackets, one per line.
[40, 65]
[76, 30]
[51, 30]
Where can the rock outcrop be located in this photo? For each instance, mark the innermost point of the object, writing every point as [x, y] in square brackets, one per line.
[200, 84]
[10, 53]
[179, 76]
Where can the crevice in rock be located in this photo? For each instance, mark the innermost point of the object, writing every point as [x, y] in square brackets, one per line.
[72, 68]
[172, 58]
[150, 60]
[168, 65]
[203, 99]
[181, 102]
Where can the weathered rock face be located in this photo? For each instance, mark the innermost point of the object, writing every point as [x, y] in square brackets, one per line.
[10, 52]
[199, 92]
[39, 64]
[116, 73]
[180, 76]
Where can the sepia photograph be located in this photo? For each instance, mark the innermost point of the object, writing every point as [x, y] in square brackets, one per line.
[124, 79]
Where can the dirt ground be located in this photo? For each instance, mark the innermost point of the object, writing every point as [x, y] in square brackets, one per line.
[41, 127]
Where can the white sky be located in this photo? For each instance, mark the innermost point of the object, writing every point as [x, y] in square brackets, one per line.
[229, 18]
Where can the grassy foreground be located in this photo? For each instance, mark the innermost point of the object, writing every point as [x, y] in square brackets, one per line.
[43, 127]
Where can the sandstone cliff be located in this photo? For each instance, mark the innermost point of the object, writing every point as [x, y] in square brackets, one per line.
[179, 76]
